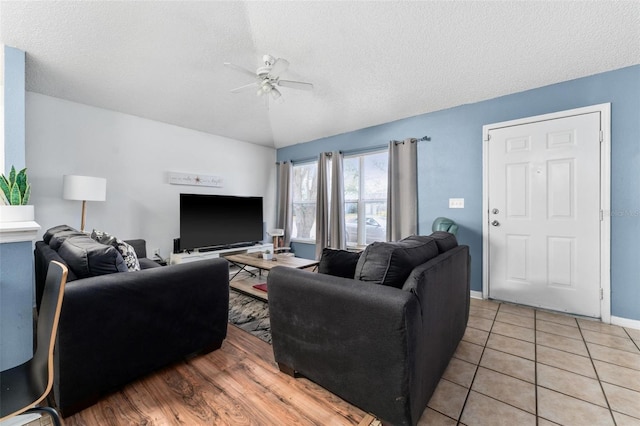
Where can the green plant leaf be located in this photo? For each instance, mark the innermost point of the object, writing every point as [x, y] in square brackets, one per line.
[21, 181]
[12, 176]
[26, 195]
[6, 189]
[3, 199]
[14, 196]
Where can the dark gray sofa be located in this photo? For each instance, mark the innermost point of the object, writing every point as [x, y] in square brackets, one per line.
[119, 326]
[384, 347]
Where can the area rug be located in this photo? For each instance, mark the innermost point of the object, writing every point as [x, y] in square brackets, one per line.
[250, 314]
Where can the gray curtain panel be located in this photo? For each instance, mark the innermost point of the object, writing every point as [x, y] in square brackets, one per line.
[284, 214]
[322, 203]
[337, 234]
[402, 195]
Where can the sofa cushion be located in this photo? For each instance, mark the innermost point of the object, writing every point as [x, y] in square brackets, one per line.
[58, 238]
[88, 258]
[445, 240]
[126, 250]
[390, 263]
[52, 231]
[339, 263]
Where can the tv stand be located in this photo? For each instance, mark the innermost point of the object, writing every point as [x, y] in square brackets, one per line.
[214, 252]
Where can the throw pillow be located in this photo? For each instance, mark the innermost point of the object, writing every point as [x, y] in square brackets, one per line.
[58, 238]
[126, 250]
[391, 263]
[445, 240]
[339, 263]
[52, 231]
[89, 258]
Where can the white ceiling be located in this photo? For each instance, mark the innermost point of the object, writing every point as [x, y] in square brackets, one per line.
[370, 62]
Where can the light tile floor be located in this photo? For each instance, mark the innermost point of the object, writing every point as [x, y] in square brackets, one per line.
[521, 366]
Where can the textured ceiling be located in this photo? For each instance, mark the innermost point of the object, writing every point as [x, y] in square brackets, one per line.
[370, 62]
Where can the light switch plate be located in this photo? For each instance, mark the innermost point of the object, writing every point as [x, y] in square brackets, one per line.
[456, 203]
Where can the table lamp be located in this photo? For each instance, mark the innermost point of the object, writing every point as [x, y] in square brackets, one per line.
[84, 188]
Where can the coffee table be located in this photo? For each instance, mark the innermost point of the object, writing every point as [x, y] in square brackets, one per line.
[255, 260]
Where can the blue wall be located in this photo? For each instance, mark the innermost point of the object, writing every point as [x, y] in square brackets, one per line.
[16, 258]
[450, 165]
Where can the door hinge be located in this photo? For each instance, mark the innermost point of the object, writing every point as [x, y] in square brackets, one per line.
[601, 136]
[601, 215]
[601, 294]
[488, 137]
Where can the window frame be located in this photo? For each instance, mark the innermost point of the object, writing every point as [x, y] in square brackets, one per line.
[362, 202]
[293, 203]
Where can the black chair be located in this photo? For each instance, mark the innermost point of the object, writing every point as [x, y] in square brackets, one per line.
[444, 224]
[27, 385]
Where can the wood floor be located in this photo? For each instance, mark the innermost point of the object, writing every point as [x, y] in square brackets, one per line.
[239, 384]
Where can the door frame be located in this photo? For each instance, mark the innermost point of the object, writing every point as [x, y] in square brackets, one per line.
[605, 196]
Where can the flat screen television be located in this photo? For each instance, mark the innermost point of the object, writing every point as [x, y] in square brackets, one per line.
[216, 221]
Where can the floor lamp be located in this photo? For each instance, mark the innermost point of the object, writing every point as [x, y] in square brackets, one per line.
[84, 188]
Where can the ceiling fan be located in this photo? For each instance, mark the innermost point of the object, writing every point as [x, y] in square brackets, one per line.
[267, 78]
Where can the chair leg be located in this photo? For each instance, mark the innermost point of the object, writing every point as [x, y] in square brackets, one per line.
[288, 370]
[55, 417]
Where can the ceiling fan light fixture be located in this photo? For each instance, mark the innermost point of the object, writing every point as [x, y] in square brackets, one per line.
[268, 77]
[266, 86]
[275, 93]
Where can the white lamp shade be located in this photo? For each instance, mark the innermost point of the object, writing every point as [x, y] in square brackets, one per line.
[85, 188]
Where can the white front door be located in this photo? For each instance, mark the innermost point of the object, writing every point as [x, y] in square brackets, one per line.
[544, 214]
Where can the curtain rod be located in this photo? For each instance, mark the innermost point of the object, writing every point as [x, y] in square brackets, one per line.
[424, 138]
[298, 160]
[353, 151]
[364, 150]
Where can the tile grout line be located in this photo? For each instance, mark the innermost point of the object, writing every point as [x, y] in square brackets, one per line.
[637, 345]
[606, 399]
[475, 373]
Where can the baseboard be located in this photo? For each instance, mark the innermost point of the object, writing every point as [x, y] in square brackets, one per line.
[625, 322]
[476, 294]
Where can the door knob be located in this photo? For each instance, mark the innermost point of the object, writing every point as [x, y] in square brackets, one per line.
[495, 211]
[495, 223]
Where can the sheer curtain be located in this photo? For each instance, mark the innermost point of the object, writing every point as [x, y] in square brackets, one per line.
[402, 195]
[283, 214]
[330, 203]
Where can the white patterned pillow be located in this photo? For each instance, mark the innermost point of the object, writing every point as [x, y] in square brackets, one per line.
[129, 255]
[126, 250]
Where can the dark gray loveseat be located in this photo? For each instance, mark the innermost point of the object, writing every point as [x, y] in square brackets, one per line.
[119, 326]
[383, 347]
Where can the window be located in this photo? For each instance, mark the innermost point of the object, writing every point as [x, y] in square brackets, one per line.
[303, 198]
[365, 196]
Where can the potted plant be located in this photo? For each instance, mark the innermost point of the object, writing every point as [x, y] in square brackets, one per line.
[267, 255]
[15, 191]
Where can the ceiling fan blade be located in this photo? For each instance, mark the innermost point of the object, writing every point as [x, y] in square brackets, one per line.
[300, 85]
[240, 69]
[244, 88]
[279, 66]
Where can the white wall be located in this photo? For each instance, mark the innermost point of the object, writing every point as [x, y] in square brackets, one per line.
[2, 108]
[1, 124]
[134, 155]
